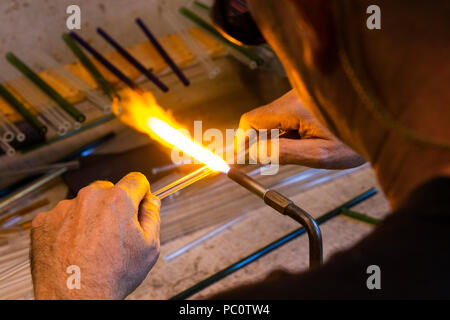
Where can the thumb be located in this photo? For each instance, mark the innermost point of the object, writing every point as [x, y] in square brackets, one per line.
[149, 217]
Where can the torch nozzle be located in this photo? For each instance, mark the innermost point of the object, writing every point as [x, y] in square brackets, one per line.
[286, 207]
[247, 182]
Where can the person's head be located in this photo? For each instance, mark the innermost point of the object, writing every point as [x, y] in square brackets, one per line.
[404, 65]
[382, 91]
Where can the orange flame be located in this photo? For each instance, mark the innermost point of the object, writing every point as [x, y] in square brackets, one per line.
[142, 112]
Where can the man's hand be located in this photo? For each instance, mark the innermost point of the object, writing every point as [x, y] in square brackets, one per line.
[316, 148]
[111, 232]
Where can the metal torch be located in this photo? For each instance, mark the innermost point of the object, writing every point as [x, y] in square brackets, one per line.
[286, 207]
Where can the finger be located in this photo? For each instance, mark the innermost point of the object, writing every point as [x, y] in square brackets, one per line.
[149, 217]
[259, 118]
[91, 192]
[136, 186]
[102, 184]
[272, 116]
[318, 153]
[39, 220]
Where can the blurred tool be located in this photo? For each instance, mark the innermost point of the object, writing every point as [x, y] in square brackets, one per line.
[70, 165]
[246, 52]
[232, 19]
[26, 186]
[19, 194]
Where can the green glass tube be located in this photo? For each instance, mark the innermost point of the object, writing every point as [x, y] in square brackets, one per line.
[209, 28]
[90, 67]
[45, 87]
[359, 216]
[20, 108]
[202, 5]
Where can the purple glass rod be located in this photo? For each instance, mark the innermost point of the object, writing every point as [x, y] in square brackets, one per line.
[163, 52]
[132, 60]
[119, 74]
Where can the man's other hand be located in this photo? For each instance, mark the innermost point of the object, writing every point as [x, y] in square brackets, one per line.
[317, 147]
[110, 232]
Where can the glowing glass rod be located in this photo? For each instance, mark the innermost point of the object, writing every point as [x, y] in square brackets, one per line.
[179, 140]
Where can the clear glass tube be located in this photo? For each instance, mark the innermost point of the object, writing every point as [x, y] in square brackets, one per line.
[6, 134]
[29, 93]
[6, 147]
[183, 182]
[20, 136]
[49, 63]
[181, 30]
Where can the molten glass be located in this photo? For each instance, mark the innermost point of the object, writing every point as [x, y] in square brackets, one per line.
[142, 112]
[177, 139]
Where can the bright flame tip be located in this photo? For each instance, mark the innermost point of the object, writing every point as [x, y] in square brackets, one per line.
[182, 142]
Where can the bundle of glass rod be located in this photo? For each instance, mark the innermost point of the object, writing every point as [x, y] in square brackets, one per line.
[45, 109]
[66, 77]
[59, 139]
[60, 72]
[178, 26]
[5, 122]
[8, 133]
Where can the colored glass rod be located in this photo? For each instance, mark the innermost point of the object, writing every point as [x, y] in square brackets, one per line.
[135, 63]
[163, 52]
[100, 58]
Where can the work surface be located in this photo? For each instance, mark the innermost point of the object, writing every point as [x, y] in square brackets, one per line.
[259, 228]
[253, 231]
